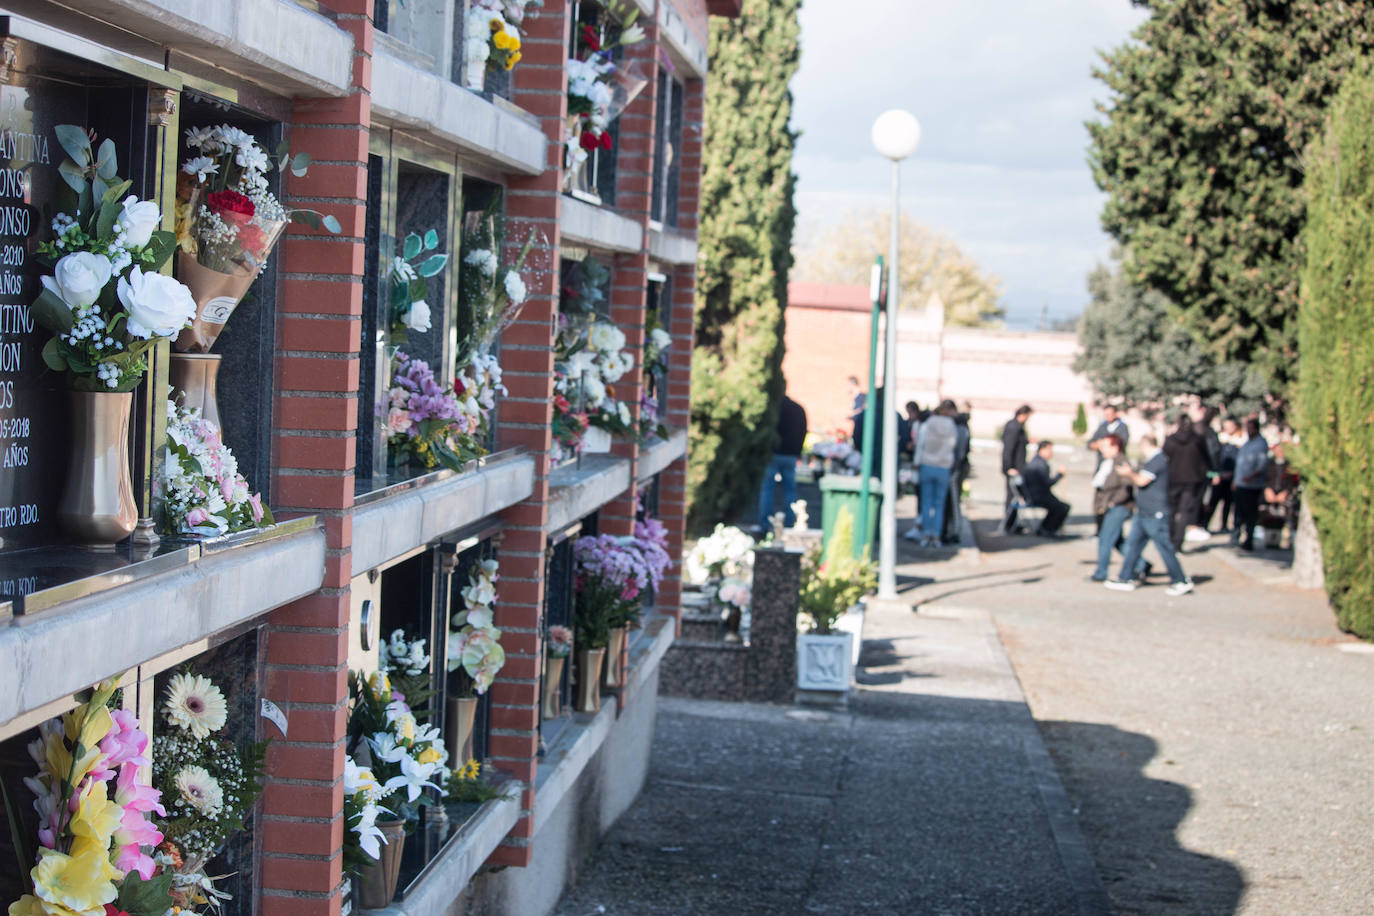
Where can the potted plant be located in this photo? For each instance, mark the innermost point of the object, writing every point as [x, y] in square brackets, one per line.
[558, 645]
[106, 306]
[474, 656]
[831, 584]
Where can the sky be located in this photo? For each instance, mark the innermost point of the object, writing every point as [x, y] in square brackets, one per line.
[1002, 89]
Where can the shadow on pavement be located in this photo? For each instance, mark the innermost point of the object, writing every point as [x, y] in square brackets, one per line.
[1130, 822]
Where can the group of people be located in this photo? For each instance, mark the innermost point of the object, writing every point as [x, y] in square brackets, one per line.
[938, 443]
[1169, 499]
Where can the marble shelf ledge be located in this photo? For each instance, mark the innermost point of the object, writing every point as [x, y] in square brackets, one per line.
[439, 886]
[500, 135]
[579, 489]
[660, 453]
[391, 522]
[671, 246]
[583, 223]
[82, 629]
[293, 50]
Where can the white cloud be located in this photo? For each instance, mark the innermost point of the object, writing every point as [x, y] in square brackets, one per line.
[1002, 89]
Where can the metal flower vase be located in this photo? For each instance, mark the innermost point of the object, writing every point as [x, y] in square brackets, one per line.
[614, 672]
[97, 507]
[196, 376]
[553, 681]
[377, 882]
[460, 714]
[588, 676]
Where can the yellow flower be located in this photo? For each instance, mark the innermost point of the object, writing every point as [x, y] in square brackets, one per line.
[29, 905]
[76, 882]
[405, 727]
[84, 846]
[428, 755]
[470, 770]
[512, 60]
[502, 40]
[381, 685]
[96, 816]
[497, 24]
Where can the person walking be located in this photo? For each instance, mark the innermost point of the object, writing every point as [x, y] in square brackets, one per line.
[1252, 460]
[1230, 440]
[936, 442]
[1111, 425]
[791, 437]
[954, 509]
[1014, 443]
[1151, 522]
[1113, 500]
[1036, 481]
[1188, 467]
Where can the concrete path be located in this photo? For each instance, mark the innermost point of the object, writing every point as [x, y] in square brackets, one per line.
[1211, 754]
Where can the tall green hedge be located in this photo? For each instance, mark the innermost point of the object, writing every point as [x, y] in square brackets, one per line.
[744, 245]
[1335, 396]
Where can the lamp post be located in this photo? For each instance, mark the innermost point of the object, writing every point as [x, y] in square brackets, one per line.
[896, 134]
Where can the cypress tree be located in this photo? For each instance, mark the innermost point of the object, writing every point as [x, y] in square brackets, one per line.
[744, 245]
[1335, 392]
[1200, 153]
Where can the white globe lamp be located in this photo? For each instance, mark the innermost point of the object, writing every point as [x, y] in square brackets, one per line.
[896, 134]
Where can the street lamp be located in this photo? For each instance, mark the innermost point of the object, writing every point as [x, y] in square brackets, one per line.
[896, 134]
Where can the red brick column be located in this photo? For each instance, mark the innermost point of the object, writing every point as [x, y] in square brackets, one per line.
[533, 205]
[319, 325]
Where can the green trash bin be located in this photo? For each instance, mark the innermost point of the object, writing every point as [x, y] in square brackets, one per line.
[837, 491]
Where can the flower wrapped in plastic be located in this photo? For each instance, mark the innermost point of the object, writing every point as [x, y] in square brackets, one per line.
[203, 491]
[474, 642]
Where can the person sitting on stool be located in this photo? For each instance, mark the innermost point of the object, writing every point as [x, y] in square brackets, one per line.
[1036, 481]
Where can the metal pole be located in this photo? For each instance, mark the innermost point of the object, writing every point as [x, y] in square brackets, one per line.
[864, 543]
[887, 528]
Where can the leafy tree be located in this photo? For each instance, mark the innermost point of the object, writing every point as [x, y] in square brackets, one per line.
[1199, 152]
[930, 262]
[1136, 350]
[1335, 392]
[744, 245]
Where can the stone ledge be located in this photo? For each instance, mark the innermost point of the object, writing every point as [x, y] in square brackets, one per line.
[654, 458]
[686, 48]
[275, 43]
[647, 652]
[568, 756]
[587, 224]
[394, 524]
[672, 247]
[446, 877]
[405, 96]
[577, 491]
[142, 619]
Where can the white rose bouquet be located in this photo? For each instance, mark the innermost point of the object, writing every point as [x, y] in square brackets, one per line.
[104, 302]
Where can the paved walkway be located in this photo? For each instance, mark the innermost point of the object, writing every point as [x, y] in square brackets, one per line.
[1211, 754]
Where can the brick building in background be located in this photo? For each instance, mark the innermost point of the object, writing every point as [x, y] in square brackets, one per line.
[374, 94]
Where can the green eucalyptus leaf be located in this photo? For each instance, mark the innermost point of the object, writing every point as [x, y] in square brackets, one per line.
[332, 224]
[432, 265]
[114, 192]
[53, 357]
[283, 152]
[299, 164]
[99, 187]
[306, 217]
[73, 175]
[161, 246]
[107, 162]
[431, 240]
[85, 206]
[75, 142]
[412, 246]
[51, 312]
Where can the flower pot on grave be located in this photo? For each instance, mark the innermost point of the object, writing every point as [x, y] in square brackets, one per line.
[97, 505]
[553, 682]
[459, 716]
[595, 441]
[377, 882]
[587, 672]
[614, 672]
[824, 662]
[196, 376]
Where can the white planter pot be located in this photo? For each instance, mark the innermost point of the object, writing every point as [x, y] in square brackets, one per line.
[825, 662]
[595, 440]
[475, 74]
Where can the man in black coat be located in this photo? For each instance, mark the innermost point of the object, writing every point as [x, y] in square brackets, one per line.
[1036, 481]
[1111, 425]
[1014, 443]
[783, 467]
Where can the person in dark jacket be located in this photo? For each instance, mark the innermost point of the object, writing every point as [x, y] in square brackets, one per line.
[1036, 481]
[1113, 501]
[1229, 441]
[1151, 521]
[1188, 467]
[791, 438]
[1111, 425]
[1014, 443]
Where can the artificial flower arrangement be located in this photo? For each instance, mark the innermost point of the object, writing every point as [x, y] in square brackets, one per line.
[656, 343]
[558, 642]
[95, 836]
[833, 580]
[599, 89]
[207, 782]
[417, 262]
[725, 552]
[437, 425]
[363, 797]
[590, 357]
[204, 493]
[406, 663]
[228, 221]
[403, 756]
[491, 39]
[105, 302]
[474, 641]
[610, 577]
[490, 293]
[569, 423]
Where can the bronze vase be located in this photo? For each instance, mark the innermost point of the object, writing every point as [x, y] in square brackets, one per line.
[459, 716]
[196, 376]
[614, 672]
[553, 680]
[377, 882]
[97, 506]
[588, 673]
